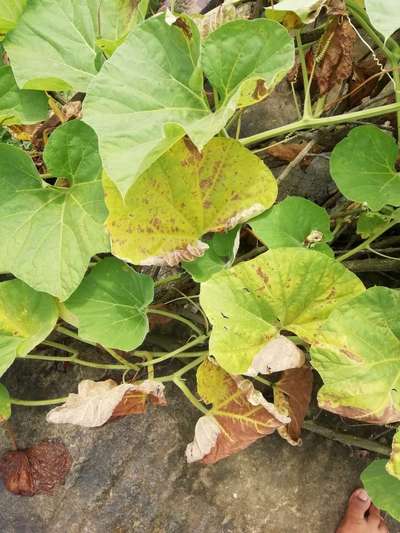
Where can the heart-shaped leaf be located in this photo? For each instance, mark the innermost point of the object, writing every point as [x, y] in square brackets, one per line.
[18, 106]
[10, 11]
[49, 233]
[382, 488]
[221, 253]
[370, 223]
[294, 222]
[290, 289]
[110, 305]
[356, 354]
[5, 404]
[53, 46]
[363, 167]
[27, 317]
[114, 19]
[183, 196]
[150, 92]
[244, 60]
[384, 15]
[240, 415]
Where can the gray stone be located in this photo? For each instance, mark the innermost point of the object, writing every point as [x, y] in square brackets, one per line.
[131, 474]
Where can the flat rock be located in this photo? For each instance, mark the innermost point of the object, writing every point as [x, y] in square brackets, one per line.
[131, 475]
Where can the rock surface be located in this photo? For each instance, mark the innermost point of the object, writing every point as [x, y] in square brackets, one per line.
[131, 475]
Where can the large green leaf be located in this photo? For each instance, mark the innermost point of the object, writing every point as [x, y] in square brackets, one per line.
[150, 92]
[221, 253]
[393, 465]
[183, 196]
[357, 355]
[10, 11]
[27, 317]
[291, 289]
[5, 404]
[18, 106]
[53, 46]
[113, 19]
[49, 233]
[384, 15]
[383, 489]
[110, 305]
[244, 60]
[363, 167]
[370, 223]
[294, 222]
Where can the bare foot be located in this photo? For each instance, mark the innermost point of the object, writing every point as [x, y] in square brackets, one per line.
[362, 516]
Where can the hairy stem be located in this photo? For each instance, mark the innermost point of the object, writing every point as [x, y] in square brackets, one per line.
[74, 360]
[344, 438]
[37, 403]
[367, 242]
[178, 351]
[305, 124]
[190, 396]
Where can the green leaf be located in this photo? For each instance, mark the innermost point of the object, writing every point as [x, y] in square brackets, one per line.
[294, 222]
[221, 253]
[27, 318]
[244, 60]
[384, 15]
[287, 289]
[10, 11]
[383, 489]
[182, 197]
[150, 92]
[370, 223]
[393, 466]
[49, 233]
[5, 404]
[53, 46]
[18, 106]
[110, 305]
[114, 19]
[295, 13]
[363, 167]
[357, 355]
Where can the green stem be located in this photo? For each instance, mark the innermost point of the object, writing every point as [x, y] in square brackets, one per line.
[190, 396]
[73, 335]
[74, 360]
[169, 279]
[305, 124]
[174, 316]
[367, 242]
[179, 373]
[120, 359]
[36, 403]
[307, 111]
[166, 356]
[60, 346]
[344, 438]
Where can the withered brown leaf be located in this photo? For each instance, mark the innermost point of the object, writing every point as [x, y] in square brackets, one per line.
[36, 470]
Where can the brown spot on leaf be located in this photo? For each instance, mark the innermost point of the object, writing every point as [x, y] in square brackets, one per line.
[205, 184]
[36, 470]
[184, 26]
[260, 90]
[262, 275]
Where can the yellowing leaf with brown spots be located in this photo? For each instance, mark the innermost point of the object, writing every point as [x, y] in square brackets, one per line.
[240, 415]
[185, 195]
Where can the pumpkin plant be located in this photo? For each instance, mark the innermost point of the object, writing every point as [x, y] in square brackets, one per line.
[119, 160]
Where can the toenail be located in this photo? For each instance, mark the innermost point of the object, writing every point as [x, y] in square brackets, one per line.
[362, 495]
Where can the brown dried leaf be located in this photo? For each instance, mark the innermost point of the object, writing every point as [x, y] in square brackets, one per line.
[336, 64]
[289, 151]
[240, 415]
[278, 354]
[69, 111]
[292, 395]
[37, 470]
[98, 402]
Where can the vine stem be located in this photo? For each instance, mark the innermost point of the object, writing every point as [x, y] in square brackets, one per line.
[305, 124]
[169, 355]
[37, 403]
[74, 360]
[120, 359]
[190, 396]
[174, 316]
[307, 110]
[367, 242]
[344, 438]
